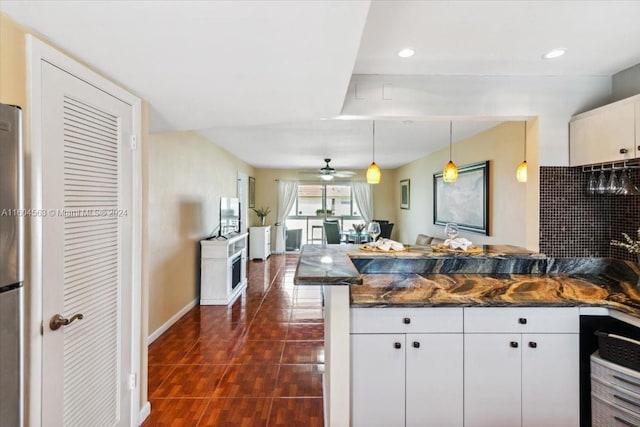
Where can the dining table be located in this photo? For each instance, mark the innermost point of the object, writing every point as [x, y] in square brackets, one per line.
[352, 236]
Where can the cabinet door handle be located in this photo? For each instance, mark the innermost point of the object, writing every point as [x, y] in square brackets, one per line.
[533, 344]
[624, 380]
[397, 345]
[625, 422]
[623, 151]
[625, 400]
[514, 344]
[522, 320]
[406, 320]
[416, 344]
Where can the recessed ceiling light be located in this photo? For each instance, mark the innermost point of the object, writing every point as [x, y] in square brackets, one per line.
[406, 53]
[555, 53]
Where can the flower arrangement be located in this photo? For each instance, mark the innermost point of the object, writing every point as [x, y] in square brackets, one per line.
[633, 246]
[262, 213]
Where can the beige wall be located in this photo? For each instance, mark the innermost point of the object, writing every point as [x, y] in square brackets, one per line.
[13, 73]
[187, 175]
[513, 206]
[267, 192]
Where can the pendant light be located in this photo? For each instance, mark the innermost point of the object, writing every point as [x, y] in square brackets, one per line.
[521, 173]
[373, 171]
[450, 171]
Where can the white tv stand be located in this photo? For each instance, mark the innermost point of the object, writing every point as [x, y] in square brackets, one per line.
[223, 264]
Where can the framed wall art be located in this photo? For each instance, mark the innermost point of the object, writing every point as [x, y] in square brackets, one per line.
[252, 192]
[464, 202]
[405, 193]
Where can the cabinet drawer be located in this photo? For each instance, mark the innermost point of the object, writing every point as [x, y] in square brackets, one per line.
[618, 396]
[605, 414]
[401, 320]
[616, 375]
[521, 319]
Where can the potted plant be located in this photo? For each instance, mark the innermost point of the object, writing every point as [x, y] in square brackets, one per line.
[633, 246]
[323, 211]
[262, 213]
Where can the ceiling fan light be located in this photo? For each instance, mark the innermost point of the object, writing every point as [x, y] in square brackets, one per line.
[521, 173]
[326, 177]
[450, 172]
[373, 174]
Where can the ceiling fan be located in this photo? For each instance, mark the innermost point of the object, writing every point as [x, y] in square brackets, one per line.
[327, 173]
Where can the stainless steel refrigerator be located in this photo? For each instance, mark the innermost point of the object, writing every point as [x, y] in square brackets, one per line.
[11, 266]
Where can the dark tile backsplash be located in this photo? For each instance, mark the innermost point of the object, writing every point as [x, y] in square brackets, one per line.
[574, 223]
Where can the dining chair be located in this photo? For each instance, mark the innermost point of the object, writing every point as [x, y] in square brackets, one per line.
[332, 232]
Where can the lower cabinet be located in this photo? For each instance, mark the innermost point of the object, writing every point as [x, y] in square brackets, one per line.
[506, 367]
[378, 376]
[521, 379]
[407, 367]
[521, 367]
[407, 379]
[434, 380]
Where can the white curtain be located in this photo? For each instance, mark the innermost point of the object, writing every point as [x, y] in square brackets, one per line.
[364, 200]
[287, 193]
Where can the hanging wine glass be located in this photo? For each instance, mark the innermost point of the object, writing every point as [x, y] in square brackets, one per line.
[626, 186]
[592, 185]
[601, 187]
[613, 185]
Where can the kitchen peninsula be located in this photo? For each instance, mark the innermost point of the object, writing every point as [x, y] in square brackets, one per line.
[517, 301]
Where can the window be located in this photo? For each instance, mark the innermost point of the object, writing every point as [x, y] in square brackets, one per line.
[307, 213]
[336, 198]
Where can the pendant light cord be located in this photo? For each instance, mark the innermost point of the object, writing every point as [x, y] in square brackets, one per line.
[373, 145]
[525, 140]
[450, 138]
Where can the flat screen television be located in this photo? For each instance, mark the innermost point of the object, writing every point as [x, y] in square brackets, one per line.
[229, 215]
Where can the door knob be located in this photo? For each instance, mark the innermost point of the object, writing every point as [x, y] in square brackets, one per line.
[58, 321]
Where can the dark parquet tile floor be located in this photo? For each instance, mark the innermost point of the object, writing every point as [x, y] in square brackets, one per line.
[256, 363]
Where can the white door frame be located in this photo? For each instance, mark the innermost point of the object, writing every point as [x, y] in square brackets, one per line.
[37, 52]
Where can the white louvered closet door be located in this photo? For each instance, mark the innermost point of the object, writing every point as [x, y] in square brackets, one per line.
[87, 166]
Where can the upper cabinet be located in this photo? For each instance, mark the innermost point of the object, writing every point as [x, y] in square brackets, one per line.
[606, 134]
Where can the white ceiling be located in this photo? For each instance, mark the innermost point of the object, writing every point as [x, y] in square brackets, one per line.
[256, 77]
[348, 143]
[500, 37]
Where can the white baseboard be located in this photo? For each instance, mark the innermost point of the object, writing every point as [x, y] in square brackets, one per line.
[145, 411]
[154, 336]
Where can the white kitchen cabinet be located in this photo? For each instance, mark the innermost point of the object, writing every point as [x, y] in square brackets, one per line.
[492, 380]
[605, 134]
[550, 380]
[517, 377]
[378, 380]
[259, 242]
[404, 373]
[434, 380]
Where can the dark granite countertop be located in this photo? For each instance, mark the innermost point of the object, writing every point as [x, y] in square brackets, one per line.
[486, 290]
[499, 276]
[326, 265]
